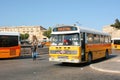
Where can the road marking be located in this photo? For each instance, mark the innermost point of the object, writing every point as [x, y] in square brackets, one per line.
[118, 60]
[104, 70]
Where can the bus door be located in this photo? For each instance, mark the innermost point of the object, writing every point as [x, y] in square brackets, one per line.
[83, 46]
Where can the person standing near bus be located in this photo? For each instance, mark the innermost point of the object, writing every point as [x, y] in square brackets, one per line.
[34, 48]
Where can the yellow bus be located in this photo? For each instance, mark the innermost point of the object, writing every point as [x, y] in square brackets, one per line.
[74, 44]
[9, 44]
[116, 43]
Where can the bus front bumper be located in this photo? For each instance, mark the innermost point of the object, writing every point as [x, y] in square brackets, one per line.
[65, 60]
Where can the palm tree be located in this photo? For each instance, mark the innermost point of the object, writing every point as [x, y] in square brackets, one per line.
[116, 24]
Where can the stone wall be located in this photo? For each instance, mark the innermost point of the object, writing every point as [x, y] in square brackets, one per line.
[115, 33]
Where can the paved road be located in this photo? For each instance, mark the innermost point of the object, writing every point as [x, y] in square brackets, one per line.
[42, 69]
[111, 65]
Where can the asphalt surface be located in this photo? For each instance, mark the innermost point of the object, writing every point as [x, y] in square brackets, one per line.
[25, 68]
[111, 65]
[42, 69]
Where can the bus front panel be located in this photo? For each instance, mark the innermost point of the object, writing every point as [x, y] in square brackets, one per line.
[70, 54]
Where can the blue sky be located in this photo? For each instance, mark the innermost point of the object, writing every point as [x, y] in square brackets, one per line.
[47, 13]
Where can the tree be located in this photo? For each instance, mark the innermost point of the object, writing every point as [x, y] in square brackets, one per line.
[48, 33]
[24, 36]
[116, 24]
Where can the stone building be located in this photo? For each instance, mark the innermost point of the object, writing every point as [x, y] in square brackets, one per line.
[115, 33]
[31, 30]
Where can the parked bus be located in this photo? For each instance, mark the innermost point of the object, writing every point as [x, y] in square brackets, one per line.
[9, 44]
[116, 43]
[75, 44]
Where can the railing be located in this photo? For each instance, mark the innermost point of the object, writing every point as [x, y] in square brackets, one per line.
[26, 50]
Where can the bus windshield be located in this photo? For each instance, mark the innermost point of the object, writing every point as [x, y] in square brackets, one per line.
[116, 41]
[8, 41]
[65, 39]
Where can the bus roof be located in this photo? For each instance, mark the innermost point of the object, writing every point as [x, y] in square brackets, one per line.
[87, 30]
[115, 39]
[10, 33]
[80, 29]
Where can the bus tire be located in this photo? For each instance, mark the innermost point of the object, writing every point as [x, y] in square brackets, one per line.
[106, 54]
[89, 58]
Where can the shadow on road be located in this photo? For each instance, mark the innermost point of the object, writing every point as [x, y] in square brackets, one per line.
[104, 59]
[21, 57]
[72, 64]
[84, 64]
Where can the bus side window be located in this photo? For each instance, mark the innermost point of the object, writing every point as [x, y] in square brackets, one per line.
[102, 39]
[96, 38]
[106, 39]
[90, 38]
[109, 39]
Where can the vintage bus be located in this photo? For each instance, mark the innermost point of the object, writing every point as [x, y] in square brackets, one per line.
[74, 44]
[115, 43]
[9, 44]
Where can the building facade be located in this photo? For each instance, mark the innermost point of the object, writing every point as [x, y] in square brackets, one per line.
[31, 30]
[115, 33]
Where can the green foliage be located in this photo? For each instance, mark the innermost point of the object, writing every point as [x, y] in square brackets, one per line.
[116, 24]
[24, 36]
[48, 33]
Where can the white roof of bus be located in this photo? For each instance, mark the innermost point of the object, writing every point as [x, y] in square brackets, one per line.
[81, 29]
[115, 39]
[10, 33]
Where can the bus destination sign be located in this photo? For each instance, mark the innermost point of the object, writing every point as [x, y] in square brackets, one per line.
[65, 28]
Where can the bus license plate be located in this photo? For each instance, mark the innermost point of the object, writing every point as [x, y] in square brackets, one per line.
[63, 57]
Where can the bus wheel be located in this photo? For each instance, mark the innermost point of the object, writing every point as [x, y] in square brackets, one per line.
[89, 58]
[106, 54]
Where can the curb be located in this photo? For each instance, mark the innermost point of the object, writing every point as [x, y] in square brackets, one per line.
[103, 70]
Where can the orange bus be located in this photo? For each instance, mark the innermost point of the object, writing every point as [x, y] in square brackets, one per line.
[74, 44]
[9, 44]
[116, 43]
